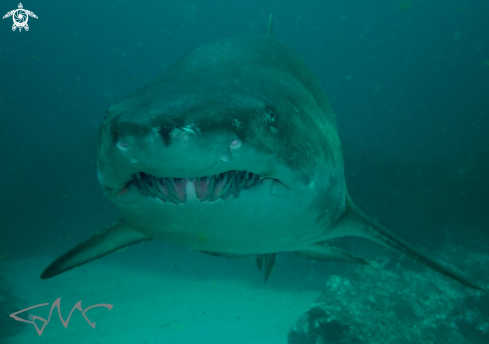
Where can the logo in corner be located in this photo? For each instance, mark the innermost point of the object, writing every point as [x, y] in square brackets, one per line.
[20, 17]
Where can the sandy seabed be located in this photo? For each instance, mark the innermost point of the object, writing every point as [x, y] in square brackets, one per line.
[170, 297]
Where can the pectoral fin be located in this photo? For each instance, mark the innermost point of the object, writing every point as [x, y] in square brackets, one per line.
[356, 223]
[116, 235]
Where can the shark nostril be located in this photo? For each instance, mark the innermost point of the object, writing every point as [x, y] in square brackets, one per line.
[123, 144]
[235, 144]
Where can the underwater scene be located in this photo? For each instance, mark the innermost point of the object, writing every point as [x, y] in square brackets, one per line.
[248, 172]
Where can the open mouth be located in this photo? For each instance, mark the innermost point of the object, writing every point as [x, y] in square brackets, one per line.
[211, 188]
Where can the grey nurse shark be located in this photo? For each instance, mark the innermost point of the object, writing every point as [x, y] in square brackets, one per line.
[232, 151]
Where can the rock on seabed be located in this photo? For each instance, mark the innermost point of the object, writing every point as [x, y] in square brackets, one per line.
[383, 303]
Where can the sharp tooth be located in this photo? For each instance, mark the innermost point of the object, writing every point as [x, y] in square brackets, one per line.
[143, 183]
[204, 185]
[226, 177]
[223, 183]
[152, 180]
[224, 191]
[238, 182]
[160, 188]
[244, 180]
[172, 192]
[210, 188]
[137, 182]
[256, 179]
[190, 195]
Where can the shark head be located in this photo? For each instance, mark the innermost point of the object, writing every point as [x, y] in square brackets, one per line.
[224, 138]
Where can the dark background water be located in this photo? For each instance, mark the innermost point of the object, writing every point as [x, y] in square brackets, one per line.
[408, 80]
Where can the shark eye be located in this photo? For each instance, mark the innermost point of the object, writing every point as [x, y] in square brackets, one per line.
[270, 114]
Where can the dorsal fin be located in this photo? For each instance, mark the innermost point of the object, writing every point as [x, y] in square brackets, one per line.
[270, 25]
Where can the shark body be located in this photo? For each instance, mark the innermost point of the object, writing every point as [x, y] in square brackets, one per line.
[232, 151]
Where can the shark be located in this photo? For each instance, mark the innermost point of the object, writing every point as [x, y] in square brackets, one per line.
[233, 151]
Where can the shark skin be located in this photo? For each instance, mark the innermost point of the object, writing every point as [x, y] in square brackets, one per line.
[233, 151]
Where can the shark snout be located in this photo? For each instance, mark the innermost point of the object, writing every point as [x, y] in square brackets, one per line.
[182, 152]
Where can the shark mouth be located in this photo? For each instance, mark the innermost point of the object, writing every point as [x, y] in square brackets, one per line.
[211, 188]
